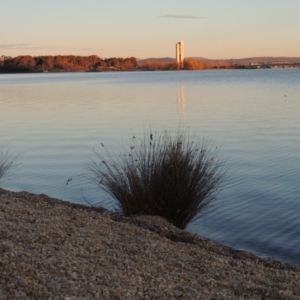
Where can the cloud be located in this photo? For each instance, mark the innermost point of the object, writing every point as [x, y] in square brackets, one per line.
[26, 47]
[183, 17]
[267, 49]
[88, 49]
[13, 46]
[22, 47]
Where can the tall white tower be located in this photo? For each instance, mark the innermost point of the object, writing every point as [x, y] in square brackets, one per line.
[180, 55]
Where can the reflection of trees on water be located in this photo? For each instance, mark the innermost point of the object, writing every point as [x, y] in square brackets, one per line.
[181, 99]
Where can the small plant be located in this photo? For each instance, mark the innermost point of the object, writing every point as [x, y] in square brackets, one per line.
[7, 161]
[172, 177]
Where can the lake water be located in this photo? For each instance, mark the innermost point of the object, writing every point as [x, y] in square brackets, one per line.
[53, 120]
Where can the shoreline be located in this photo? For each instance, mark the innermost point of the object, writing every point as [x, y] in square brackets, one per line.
[54, 248]
[142, 70]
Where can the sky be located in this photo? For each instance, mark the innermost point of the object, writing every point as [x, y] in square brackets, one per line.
[216, 29]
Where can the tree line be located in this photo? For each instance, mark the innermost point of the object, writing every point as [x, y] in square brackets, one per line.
[189, 64]
[72, 63]
[68, 63]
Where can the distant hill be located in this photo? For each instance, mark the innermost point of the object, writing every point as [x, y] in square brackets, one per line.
[251, 60]
[165, 60]
[241, 61]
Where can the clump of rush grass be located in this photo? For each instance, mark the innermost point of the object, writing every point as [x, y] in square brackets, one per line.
[7, 161]
[174, 177]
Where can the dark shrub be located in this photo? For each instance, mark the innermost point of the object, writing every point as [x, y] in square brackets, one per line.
[172, 177]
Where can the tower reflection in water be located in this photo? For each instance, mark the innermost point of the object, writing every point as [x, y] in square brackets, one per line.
[181, 99]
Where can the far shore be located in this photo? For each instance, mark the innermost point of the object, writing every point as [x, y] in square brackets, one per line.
[53, 248]
[93, 63]
[140, 70]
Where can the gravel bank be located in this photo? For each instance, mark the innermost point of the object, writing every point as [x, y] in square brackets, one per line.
[50, 249]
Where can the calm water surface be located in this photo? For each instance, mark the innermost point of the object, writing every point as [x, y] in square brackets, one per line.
[54, 120]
